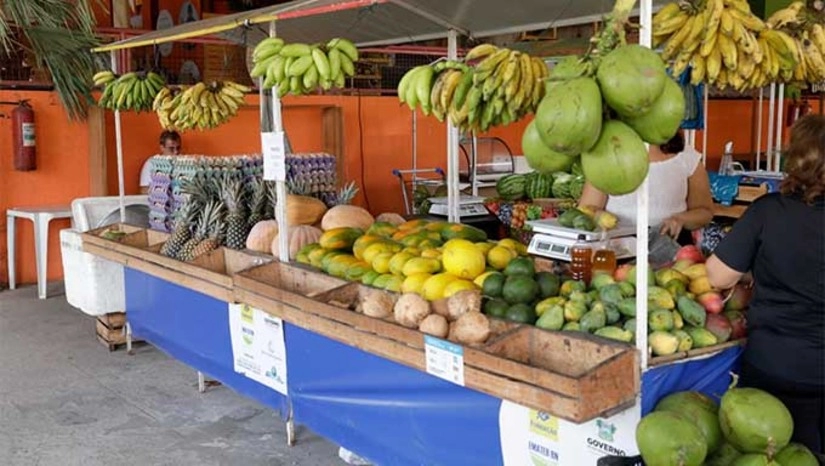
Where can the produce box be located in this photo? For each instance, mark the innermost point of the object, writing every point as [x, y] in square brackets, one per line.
[220, 265]
[284, 282]
[125, 238]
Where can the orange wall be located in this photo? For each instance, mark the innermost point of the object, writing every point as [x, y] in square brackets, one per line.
[62, 175]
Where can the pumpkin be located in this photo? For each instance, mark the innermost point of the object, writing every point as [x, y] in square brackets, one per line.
[260, 237]
[347, 216]
[304, 210]
[298, 237]
[391, 217]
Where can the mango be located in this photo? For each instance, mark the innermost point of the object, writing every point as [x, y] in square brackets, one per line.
[695, 271]
[702, 338]
[613, 315]
[627, 307]
[712, 301]
[580, 296]
[545, 304]
[569, 286]
[663, 276]
[551, 318]
[660, 320]
[573, 311]
[628, 290]
[614, 333]
[611, 294]
[682, 265]
[571, 327]
[630, 325]
[660, 298]
[719, 326]
[692, 312]
[676, 288]
[685, 341]
[663, 343]
[678, 322]
[592, 321]
[700, 285]
[601, 279]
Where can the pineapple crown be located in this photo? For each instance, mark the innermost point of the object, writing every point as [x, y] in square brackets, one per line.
[347, 193]
[210, 224]
[299, 187]
[233, 192]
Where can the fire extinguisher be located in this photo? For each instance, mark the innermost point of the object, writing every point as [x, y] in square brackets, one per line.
[22, 118]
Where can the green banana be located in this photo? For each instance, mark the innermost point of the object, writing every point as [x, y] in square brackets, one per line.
[463, 88]
[347, 65]
[295, 50]
[345, 46]
[299, 66]
[423, 85]
[334, 56]
[403, 84]
[321, 63]
[310, 78]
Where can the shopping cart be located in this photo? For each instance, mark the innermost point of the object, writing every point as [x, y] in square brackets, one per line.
[418, 185]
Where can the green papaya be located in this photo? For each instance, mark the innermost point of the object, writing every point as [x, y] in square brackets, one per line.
[692, 312]
[615, 334]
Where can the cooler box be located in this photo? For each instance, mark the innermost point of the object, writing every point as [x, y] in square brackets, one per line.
[93, 284]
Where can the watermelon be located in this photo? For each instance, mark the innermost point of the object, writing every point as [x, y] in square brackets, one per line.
[511, 187]
[576, 187]
[561, 185]
[538, 186]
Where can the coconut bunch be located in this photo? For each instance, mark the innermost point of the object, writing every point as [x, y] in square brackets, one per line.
[602, 107]
[726, 45]
[492, 86]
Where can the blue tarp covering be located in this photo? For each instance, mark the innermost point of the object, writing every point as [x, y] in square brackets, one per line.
[384, 411]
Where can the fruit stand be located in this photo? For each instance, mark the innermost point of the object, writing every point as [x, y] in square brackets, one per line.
[469, 387]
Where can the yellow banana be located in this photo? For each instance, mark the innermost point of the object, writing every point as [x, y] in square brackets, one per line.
[676, 41]
[709, 43]
[786, 16]
[491, 62]
[697, 27]
[716, 7]
[815, 62]
[527, 79]
[480, 51]
[667, 12]
[726, 23]
[745, 66]
[817, 34]
[451, 83]
[681, 63]
[729, 51]
[748, 19]
[697, 69]
[435, 97]
[670, 24]
[713, 64]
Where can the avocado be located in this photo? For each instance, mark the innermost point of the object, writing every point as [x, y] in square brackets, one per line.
[492, 285]
[520, 289]
[522, 313]
[549, 284]
[496, 308]
[520, 266]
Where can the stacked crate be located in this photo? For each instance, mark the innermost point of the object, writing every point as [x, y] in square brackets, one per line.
[160, 193]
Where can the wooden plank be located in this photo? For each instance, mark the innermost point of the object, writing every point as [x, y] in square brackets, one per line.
[733, 211]
[96, 121]
[113, 319]
[111, 336]
[751, 193]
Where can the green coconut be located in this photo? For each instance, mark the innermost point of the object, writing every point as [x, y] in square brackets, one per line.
[755, 460]
[631, 78]
[663, 120]
[619, 162]
[569, 118]
[668, 439]
[539, 157]
[695, 408]
[755, 421]
[796, 455]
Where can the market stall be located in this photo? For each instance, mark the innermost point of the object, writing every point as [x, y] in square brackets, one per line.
[521, 386]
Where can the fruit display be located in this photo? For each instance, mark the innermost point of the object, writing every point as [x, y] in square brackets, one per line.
[135, 90]
[201, 106]
[299, 69]
[602, 107]
[684, 311]
[748, 427]
[726, 45]
[492, 86]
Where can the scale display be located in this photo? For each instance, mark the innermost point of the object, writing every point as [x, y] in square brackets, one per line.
[559, 248]
[467, 206]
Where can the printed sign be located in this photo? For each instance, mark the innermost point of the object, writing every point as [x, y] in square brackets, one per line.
[445, 360]
[530, 437]
[274, 154]
[28, 134]
[258, 348]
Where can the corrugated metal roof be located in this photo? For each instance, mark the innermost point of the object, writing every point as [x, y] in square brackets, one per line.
[381, 22]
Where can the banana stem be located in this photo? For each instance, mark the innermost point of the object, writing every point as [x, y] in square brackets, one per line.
[613, 33]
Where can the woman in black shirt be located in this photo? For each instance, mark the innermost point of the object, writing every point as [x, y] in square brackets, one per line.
[781, 240]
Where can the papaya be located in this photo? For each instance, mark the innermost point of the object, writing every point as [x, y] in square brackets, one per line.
[457, 230]
[754, 421]
[369, 277]
[420, 265]
[356, 271]
[413, 224]
[338, 266]
[539, 157]
[702, 338]
[660, 320]
[382, 230]
[614, 333]
[618, 162]
[551, 318]
[631, 78]
[668, 439]
[362, 243]
[316, 256]
[327, 258]
[569, 118]
[398, 261]
[592, 321]
[376, 248]
[665, 116]
[692, 312]
[796, 455]
[340, 238]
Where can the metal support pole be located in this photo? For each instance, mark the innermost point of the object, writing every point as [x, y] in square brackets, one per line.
[780, 125]
[642, 217]
[414, 150]
[121, 185]
[759, 127]
[705, 124]
[201, 382]
[452, 145]
[475, 164]
[771, 116]
[280, 185]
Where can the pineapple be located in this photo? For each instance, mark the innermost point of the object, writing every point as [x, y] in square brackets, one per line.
[209, 217]
[215, 233]
[345, 195]
[182, 232]
[257, 202]
[236, 226]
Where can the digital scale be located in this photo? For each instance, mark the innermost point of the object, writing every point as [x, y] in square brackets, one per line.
[556, 242]
[468, 206]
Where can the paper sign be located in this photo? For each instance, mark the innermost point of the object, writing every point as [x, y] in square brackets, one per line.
[445, 360]
[541, 439]
[258, 349]
[274, 154]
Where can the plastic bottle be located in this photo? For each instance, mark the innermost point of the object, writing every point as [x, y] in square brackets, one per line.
[581, 257]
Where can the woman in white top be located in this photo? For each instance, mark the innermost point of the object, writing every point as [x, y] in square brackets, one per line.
[679, 190]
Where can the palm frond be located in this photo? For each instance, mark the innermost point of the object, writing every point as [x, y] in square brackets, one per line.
[60, 35]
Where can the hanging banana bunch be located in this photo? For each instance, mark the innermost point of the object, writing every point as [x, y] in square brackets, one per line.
[201, 106]
[132, 91]
[499, 88]
[299, 69]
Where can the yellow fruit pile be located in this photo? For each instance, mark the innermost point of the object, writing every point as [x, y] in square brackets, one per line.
[202, 106]
[432, 259]
[725, 44]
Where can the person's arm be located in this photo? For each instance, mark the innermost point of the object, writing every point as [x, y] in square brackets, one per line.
[736, 253]
[592, 198]
[145, 176]
[699, 205]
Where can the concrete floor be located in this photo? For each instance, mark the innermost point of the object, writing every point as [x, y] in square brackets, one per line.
[66, 400]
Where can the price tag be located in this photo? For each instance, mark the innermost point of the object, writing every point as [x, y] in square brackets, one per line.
[274, 153]
[445, 360]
